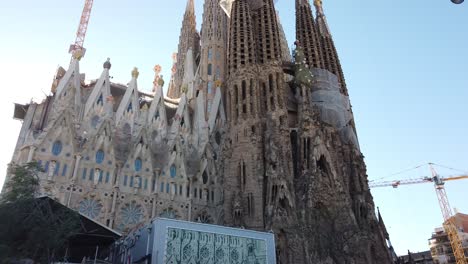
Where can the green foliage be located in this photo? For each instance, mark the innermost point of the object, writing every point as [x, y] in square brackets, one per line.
[23, 184]
[34, 228]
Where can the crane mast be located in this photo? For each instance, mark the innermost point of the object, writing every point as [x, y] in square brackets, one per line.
[77, 50]
[449, 222]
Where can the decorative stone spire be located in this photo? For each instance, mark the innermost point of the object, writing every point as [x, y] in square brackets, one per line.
[189, 38]
[306, 34]
[268, 37]
[241, 46]
[212, 66]
[331, 61]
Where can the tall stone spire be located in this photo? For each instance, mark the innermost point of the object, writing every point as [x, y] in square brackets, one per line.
[189, 38]
[213, 50]
[331, 61]
[307, 34]
[268, 33]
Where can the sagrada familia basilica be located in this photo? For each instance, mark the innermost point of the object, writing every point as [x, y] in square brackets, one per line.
[246, 136]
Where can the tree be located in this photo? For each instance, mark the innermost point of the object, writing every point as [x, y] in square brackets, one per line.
[31, 227]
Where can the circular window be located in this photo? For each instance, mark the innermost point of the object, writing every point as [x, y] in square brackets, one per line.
[99, 156]
[138, 164]
[173, 171]
[57, 148]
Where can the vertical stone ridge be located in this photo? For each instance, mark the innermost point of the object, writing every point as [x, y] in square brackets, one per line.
[306, 34]
[331, 60]
[189, 38]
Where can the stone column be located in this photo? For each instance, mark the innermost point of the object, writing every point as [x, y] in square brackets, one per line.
[32, 149]
[51, 171]
[114, 204]
[77, 166]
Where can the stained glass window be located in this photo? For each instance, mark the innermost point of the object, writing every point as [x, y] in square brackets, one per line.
[138, 164]
[131, 214]
[125, 180]
[91, 175]
[173, 171]
[84, 174]
[57, 168]
[168, 188]
[131, 181]
[57, 148]
[90, 208]
[46, 167]
[107, 177]
[99, 156]
[210, 69]
[64, 171]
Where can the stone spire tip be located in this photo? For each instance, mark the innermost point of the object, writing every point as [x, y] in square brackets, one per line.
[107, 64]
[135, 73]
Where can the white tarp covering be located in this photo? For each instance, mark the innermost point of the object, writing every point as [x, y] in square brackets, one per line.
[335, 108]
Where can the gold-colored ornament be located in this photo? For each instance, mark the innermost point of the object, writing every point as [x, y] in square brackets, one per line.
[135, 73]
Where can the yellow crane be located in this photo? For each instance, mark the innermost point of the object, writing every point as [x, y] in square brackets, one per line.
[449, 221]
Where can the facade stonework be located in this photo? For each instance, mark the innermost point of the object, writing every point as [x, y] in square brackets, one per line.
[250, 139]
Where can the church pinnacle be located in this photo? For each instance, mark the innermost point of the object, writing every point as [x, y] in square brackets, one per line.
[189, 38]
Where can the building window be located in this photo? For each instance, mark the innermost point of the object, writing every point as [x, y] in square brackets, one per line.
[84, 174]
[138, 164]
[91, 175]
[161, 188]
[99, 156]
[146, 184]
[64, 170]
[195, 192]
[168, 188]
[210, 87]
[125, 180]
[100, 175]
[210, 69]
[107, 177]
[218, 73]
[173, 171]
[210, 54]
[57, 168]
[131, 181]
[57, 148]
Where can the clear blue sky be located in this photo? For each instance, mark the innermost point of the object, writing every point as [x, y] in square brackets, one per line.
[405, 62]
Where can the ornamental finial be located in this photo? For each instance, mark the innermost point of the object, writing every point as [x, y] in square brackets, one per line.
[135, 73]
[107, 64]
[78, 54]
[318, 6]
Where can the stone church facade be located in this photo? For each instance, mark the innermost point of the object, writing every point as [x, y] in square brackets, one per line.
[246, 137]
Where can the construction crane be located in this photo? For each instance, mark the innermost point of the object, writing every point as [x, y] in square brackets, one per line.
[449, 221]
[77, 50]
